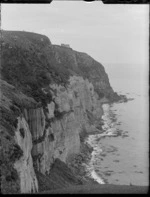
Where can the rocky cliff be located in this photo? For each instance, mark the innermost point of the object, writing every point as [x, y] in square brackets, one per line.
[50, 95]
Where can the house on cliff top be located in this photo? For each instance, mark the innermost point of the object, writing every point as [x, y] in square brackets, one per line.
[65, 45]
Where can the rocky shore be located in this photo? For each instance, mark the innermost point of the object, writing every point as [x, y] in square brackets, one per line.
[77, 164]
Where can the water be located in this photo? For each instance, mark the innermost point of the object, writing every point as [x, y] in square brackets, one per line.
[120, 153]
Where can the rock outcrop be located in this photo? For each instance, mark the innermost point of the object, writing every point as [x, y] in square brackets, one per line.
[50, 95]
[24, 166]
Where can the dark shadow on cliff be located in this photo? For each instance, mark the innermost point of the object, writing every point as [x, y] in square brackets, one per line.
[60, 176]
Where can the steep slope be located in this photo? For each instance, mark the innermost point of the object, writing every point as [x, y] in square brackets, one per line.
[51, 96]
[84, 65]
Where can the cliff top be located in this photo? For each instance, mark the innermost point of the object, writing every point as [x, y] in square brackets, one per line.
[30, 61]
[23, 37]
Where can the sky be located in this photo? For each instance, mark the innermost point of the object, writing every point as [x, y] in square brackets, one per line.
[115, 35]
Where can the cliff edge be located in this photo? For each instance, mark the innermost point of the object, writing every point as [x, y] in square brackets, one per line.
[50, 97]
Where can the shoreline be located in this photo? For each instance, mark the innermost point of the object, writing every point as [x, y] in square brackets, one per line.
[85, 156]
[108, 171]
[89, 167]
[92, 173]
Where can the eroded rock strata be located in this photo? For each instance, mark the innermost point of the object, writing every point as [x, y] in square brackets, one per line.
[51, 96]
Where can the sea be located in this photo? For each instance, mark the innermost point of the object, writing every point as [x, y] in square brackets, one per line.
[121, 152]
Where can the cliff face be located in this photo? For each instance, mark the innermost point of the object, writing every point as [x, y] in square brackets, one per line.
[50, 95]
[84, 65]
[24, 166]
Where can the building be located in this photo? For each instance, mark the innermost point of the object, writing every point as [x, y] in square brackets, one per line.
[65, 45]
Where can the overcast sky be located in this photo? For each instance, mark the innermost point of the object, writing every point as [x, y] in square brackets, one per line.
[112, 34]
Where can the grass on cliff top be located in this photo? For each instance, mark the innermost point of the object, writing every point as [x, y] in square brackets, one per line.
[28, 62]
[100, 189]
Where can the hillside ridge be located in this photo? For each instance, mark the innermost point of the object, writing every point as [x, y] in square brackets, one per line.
[51, 99]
